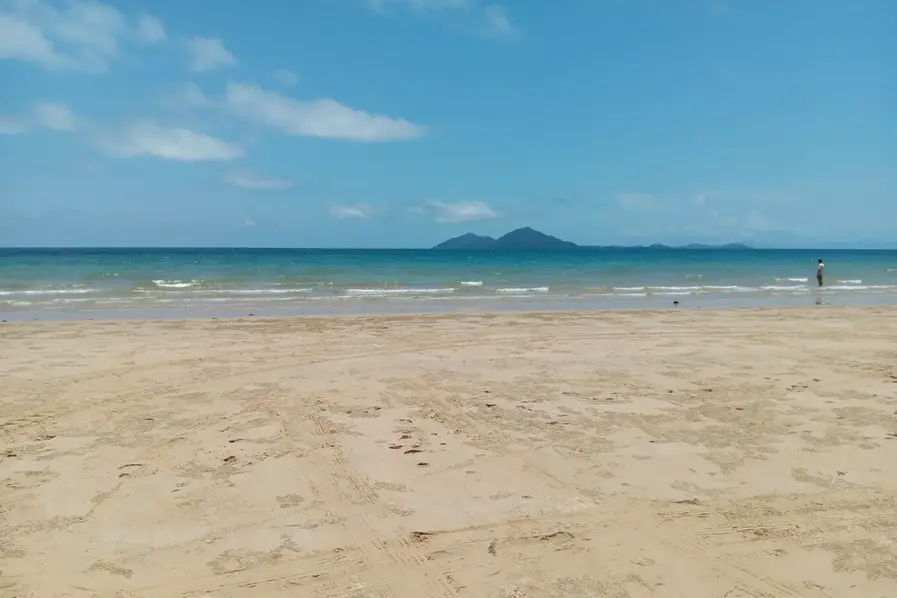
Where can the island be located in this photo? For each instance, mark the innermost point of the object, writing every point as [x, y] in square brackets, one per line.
[516, 240]
[530, 239]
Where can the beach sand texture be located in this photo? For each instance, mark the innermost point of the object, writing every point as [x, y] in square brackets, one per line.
[686, 454]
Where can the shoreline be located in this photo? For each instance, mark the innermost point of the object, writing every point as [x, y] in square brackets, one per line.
[402, 316]
[435, 307]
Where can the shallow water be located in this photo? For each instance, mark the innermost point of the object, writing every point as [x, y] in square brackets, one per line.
[183, 282]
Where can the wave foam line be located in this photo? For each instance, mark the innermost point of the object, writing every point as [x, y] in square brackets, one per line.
[176, 284]
[522, 290]
[51, 292]
[386, 292]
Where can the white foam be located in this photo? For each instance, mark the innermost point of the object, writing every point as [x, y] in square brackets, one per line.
[256, 291]
[175, 284]
[51, 292]
[793, 279]
[850, 281]
[856, 287]
[386, 292]
[522, 290]
[695, 288]
[471, 283]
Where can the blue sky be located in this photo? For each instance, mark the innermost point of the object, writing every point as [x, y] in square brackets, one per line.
[399, 123]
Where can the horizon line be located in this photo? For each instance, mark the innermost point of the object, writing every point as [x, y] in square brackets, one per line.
[652, 246]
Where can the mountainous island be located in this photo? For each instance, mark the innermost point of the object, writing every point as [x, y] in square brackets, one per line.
[528, 238]
[522, 238]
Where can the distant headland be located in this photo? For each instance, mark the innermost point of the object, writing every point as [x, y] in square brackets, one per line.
[530, 239]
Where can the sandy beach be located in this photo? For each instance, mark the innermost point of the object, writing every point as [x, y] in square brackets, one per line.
[667, 454]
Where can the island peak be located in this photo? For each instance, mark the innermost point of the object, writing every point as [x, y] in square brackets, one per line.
[525, 238]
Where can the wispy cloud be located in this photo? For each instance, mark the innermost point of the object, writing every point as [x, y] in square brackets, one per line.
[318, 118]
[208, 54]
[150, 30]
[56, 117]
[285, 77]
[489, 20]
[146, 138]
[43, 115]
[188, 95]
[253, 181]
[355, 210]
[80, 35]
[142, 138]
[464, 211]
[496, 22]
[12, 126]
[420, 5]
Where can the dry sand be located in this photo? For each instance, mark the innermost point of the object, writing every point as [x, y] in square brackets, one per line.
[683, 454]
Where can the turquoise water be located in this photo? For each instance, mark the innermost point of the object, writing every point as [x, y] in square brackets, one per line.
[159, 282]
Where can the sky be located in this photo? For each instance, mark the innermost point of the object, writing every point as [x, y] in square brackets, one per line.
[400, 123]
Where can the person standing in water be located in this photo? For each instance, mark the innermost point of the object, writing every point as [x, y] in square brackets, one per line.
[820, 271]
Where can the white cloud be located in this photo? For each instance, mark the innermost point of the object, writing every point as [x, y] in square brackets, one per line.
[77, 35]
[256, 182]
[46, 115]
[496, 22]
[208, 54]
[149, 139]
[318, 118]
[23, 41]
[420, 5]
[464, 211]
[286, 77]
[57, 117]
[490, 20]
[12, 126]
[188, 95]
[356, 210]
[143, 138]
[150, 30]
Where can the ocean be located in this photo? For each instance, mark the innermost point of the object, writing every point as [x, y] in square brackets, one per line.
[41, 283]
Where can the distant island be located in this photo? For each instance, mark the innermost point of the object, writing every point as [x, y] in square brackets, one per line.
[528, 238]
[522, 238]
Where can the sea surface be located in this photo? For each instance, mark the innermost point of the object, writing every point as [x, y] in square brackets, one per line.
[229, 282]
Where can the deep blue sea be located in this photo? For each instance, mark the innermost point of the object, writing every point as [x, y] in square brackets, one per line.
[184, 282]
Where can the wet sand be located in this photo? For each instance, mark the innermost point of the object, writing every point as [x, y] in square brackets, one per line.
[669, 454]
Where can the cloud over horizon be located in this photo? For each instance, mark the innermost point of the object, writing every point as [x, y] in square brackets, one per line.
[101, 96]
[463, 211]
[355, 210]
[318, 118]
[246, 179]
[146, 138]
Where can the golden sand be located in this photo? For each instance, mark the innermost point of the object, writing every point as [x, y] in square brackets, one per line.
[675, 454]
